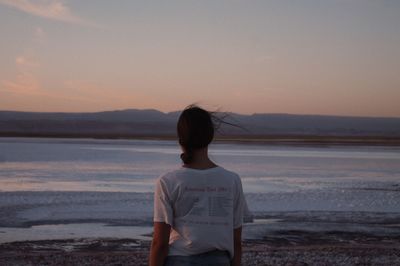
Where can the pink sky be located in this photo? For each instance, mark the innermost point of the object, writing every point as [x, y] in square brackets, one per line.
[304, 57]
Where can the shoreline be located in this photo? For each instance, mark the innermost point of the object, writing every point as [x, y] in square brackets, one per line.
[112, 251]
[292, 140]
[76, 205]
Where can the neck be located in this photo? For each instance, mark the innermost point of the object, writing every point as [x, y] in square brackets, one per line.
[200, 160]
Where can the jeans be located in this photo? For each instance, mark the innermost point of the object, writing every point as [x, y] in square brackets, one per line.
[212, 258]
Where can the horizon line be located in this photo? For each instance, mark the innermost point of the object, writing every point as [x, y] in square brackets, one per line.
[228, 112]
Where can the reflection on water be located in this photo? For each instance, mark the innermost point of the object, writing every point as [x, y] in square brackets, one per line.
[69, 182]
[125, 165]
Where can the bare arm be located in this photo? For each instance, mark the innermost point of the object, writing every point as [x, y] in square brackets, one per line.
[237, 245]
[159, 245]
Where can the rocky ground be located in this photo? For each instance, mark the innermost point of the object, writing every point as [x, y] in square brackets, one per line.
[135, 252]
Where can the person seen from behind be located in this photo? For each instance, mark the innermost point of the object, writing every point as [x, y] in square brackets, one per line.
[198, 208]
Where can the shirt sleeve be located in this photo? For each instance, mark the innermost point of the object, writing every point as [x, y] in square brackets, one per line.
[163, 211]
[240, 205]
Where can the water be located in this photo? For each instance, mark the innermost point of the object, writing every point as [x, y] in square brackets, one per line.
[132, 166]
[46, 182]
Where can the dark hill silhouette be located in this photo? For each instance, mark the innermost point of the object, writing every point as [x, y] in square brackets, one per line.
[133, 122]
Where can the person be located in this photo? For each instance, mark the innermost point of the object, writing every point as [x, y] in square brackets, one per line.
[198, 208]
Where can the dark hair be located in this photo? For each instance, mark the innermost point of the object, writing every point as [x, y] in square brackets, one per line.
[195, 131]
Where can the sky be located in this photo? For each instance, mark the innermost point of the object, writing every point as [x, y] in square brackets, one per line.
[333, 57]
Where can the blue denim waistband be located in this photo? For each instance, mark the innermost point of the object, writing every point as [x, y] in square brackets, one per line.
[215, 258]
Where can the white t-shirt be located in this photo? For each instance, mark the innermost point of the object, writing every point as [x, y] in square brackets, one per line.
[202, 207]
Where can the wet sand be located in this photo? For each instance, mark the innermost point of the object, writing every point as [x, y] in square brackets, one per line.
[294, 248]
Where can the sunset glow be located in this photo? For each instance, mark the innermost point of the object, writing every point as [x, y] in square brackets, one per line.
[302, 57]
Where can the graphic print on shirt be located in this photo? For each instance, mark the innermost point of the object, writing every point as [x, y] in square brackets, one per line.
[206, 205]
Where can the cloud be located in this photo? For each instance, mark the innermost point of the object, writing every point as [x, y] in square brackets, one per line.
[50, 9]
[25, 83]
[24, 61]
[39, 34]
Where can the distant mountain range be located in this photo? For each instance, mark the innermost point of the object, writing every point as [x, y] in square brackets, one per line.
[153, 123]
